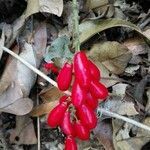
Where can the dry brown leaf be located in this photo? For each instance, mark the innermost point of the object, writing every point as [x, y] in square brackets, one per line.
[104, 133]
[24, 132]
[112, 55]
[50, 94]
[48, 6]
[43, 109]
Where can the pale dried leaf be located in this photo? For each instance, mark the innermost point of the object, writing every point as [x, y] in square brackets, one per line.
[116, 104]
[48, 6]
[11, 101]
[113, 56]
[120, 89]
[131, 70]
[43, 109]
[24, 132]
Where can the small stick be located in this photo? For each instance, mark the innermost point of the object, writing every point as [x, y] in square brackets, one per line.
[106, 112]
[115, 115]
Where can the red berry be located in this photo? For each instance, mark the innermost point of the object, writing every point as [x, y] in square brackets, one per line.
[63, 99]
[78, 95]
[94, 71]
[91, 101]
[64, 77]
[98, 90]
[55, 117]
[87, 116]
[81, 69]
[70, 143]
[66, 125]
[50, 66]
[81, 131]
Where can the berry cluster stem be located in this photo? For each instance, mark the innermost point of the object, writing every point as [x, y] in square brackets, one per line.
[76, 25]
[102, 110]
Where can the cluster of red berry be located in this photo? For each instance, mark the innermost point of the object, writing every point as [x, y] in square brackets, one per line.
[75, 114]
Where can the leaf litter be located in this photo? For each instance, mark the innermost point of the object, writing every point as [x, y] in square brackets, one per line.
[46, 36]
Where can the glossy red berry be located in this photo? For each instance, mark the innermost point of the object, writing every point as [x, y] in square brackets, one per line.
[64, 77]
[50, 66]
[91, 101]
[70, 143]
[98, 90]
[63, 99]
[81, 131]
[81, 69]
[66, 125]
[55, 117]
[94, 71]
[78, 95]
[87, 116]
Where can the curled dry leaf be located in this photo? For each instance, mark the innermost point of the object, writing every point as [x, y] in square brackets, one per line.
[24, 131]
[47, 6]
[112, 55]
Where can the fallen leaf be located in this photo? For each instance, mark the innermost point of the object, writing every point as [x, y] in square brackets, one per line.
[132, 70]
[24, 132]
[90, 28]
[120, 106]
[59, 49]
[112, 55]
[12, 101]
[43, 109]
[50, 94]
[104, 133]
[48, 6]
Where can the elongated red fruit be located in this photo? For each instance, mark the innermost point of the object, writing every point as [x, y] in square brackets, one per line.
[78, 95]
[55, 117]
[91, 101]
[98, 90]
[66, 125]
[70, 143]
[81, 131]
[63, 99]
[81, 69]
[94, 71]
[64, 77]
[87, 116]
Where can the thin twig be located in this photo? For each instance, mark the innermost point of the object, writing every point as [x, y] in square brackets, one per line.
[76, 26]
[114, 115]
[106, 112]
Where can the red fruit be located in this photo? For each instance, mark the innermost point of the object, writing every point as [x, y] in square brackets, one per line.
[55, 117]
[78, 95]
[66, 125]
[94, 71]
[91, 101]
[70, 143]
[63, 99]
[50, 66]
[81, 131]
[87, 116]
[98, 90]
[81, 69]
[64, 77]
